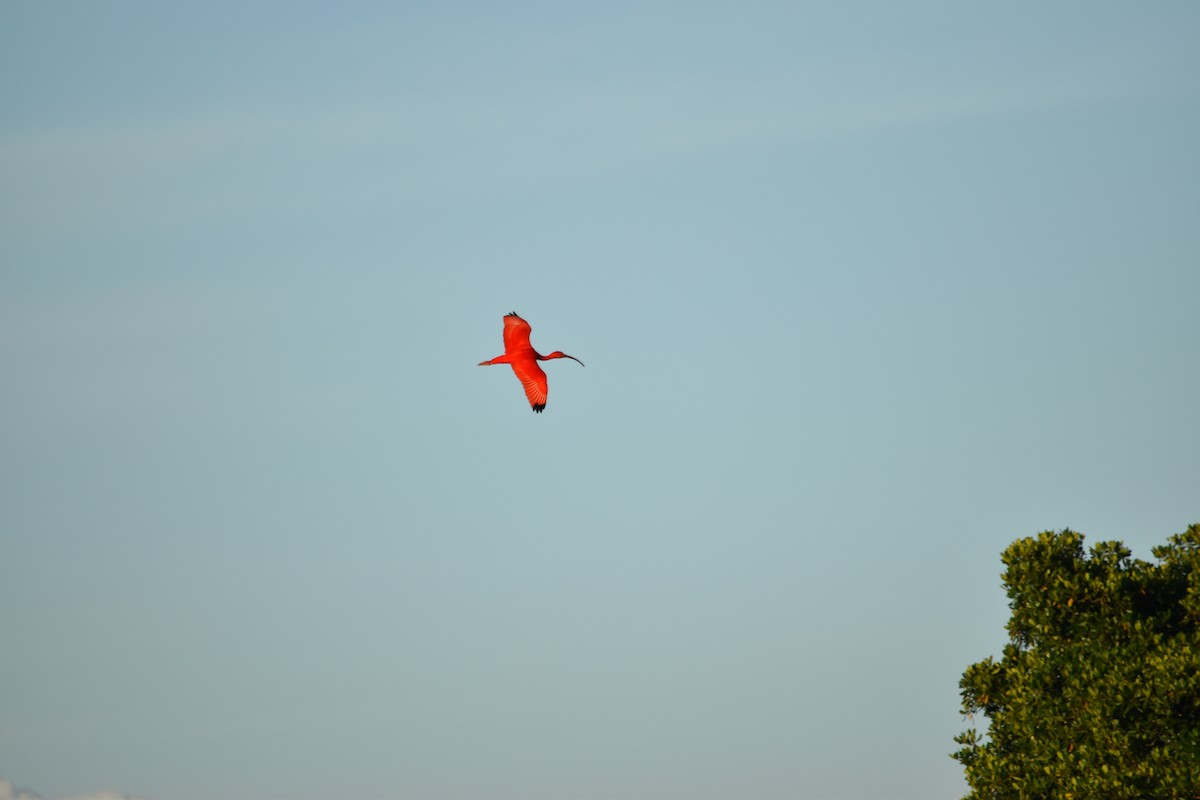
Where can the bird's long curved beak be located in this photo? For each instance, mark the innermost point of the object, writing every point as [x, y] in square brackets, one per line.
[573, 358]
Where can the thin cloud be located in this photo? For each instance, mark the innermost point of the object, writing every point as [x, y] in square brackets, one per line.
[438, 148]
[8, 791]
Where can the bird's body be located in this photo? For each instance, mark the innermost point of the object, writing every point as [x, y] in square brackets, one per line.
[520, 355]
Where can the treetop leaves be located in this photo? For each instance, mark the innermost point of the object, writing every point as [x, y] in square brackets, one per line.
[1097, 693]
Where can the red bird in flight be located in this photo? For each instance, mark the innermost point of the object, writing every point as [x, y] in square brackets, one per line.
[520, 355]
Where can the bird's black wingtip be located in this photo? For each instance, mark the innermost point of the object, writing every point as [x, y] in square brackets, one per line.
[511, 314]
[539, 408]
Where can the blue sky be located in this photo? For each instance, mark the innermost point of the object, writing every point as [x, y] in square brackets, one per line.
[865, 292]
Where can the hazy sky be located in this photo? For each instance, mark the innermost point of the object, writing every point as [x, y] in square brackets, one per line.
[865, 291]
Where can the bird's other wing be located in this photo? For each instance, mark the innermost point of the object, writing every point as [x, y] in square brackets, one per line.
[533, 380]
[516, 334]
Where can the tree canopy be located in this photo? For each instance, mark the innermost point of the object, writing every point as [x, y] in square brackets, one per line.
[1097, 694]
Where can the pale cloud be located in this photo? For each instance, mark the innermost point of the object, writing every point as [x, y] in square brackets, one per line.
[106, 794]
[166, 175]
[419, 145]
[8, 791]
[389, 141]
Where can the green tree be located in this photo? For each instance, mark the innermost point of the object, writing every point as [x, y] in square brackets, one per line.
[1097, 694]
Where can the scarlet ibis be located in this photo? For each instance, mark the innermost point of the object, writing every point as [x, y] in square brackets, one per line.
[520, 355]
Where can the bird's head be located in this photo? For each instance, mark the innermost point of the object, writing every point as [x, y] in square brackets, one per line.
[561, 354]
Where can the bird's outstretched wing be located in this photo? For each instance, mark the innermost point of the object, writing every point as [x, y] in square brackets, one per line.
[533, 380]
[516, 336]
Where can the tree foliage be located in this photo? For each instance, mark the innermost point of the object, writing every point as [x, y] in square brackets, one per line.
[1097, 694]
